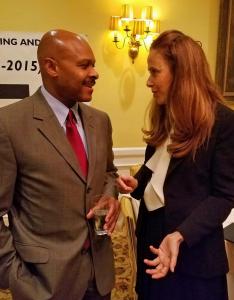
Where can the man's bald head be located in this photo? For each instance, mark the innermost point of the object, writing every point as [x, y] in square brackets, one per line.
[55, 42]
[67, 66]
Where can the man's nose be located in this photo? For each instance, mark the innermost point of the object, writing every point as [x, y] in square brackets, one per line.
[94, 73]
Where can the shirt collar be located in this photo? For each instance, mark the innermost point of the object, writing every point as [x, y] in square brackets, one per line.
[60, 110]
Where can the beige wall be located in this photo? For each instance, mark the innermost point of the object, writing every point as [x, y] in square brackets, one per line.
[121, 90]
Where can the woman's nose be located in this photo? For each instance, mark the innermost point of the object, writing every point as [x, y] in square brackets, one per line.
[148, 82]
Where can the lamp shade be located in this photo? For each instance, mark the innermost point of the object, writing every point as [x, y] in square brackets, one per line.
[127, 12]
[147, 13]
[138, 27]
[114, 23]
[155, 28]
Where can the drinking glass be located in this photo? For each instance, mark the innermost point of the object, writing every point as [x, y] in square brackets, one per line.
[100, 210]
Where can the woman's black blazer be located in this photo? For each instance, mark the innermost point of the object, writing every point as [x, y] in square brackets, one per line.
[199, 195]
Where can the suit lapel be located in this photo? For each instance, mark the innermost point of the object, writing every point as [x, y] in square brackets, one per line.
[174, 163]
[88, 121]
[49, 126]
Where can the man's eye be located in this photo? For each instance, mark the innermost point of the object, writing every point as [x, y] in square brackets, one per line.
[84, 66]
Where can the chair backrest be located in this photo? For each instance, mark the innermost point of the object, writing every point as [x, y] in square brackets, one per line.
[134, 169]
[124, 247]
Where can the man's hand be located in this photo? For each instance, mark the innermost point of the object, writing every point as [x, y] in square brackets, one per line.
[167, 254]
[113, 207]
[126, 184]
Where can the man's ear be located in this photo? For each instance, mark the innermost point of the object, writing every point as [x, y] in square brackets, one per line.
[50, 66]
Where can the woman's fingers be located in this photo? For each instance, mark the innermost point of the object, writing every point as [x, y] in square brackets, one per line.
[173, 263]
[161, 263]
[152, 263]
[158, 272]
[126, 183]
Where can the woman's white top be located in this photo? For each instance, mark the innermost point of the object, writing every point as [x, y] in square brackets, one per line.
[158, 164]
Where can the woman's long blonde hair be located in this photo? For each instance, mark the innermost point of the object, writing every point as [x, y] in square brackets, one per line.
[189, 113]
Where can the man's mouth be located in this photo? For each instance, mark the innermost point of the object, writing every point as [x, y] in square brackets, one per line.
[90, 83]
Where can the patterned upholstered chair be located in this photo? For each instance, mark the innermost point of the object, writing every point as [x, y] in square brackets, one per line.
[5, 295]
[134, 168]
[124, 246]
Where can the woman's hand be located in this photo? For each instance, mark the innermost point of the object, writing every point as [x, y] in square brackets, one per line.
[126, 184]
[166, 256]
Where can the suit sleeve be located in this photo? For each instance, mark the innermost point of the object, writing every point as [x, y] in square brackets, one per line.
[8, 172]
[212, 212]
[111, 171]
[143, 175]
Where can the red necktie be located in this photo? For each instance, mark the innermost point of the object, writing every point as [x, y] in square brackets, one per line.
[76, 142]
[78, 147]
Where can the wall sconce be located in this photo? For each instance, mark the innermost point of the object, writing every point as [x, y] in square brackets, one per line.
[136, 31]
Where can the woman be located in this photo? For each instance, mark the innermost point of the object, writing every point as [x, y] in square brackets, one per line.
[187, 180]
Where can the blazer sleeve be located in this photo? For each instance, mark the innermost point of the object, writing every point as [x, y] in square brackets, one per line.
[8, 172]
[213, 210]
[143, 175]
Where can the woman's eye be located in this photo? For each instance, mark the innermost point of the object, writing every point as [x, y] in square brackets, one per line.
[154, 71]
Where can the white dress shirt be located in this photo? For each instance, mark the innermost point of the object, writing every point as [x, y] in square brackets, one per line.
[61, 111]
[158, 164]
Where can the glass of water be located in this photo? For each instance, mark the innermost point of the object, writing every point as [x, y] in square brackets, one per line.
[100, 210]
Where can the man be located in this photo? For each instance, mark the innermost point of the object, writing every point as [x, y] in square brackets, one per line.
[50, 250]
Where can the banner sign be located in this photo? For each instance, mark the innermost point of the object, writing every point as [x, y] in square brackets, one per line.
[19, 68]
